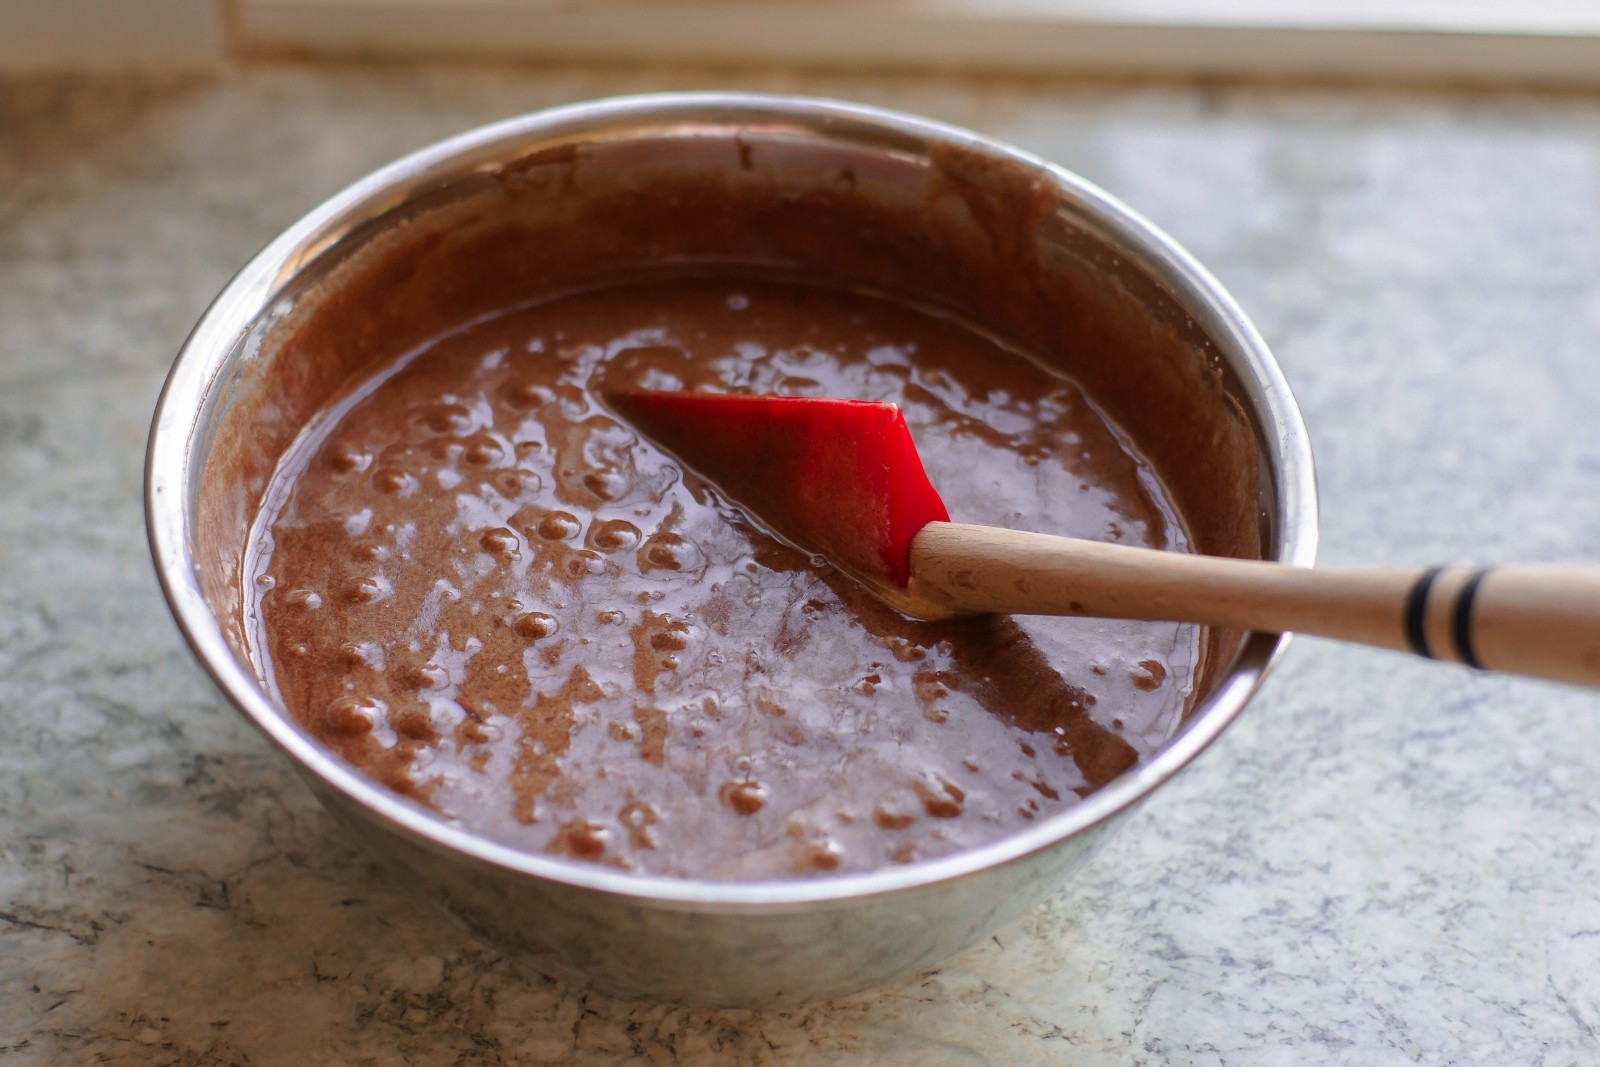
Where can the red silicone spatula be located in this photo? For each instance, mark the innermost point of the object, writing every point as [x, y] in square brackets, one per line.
[842, 478]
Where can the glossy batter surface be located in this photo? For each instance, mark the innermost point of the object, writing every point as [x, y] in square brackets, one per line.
[477, 584]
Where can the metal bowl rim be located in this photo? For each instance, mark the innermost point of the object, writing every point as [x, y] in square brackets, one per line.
[251, 293]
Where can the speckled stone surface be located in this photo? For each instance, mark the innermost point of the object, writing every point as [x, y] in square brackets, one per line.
[1384, 862]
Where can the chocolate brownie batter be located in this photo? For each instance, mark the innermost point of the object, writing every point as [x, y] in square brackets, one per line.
[480, 586]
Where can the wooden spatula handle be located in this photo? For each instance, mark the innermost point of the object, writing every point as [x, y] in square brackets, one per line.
[1537, 620]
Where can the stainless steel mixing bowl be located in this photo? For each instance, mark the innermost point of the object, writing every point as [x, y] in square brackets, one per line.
[1140, 307]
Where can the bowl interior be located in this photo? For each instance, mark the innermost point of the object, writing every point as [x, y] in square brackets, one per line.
[528, 209]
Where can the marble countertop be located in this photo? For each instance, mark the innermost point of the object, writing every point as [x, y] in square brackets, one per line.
[1385, 861]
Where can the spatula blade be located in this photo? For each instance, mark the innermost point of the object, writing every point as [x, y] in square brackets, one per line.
[841, 478]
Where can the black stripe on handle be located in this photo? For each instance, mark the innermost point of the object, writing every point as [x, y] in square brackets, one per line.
[1461, 620]
[1417, 613]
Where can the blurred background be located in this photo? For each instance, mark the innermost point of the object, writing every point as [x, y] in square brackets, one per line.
[1545, 42]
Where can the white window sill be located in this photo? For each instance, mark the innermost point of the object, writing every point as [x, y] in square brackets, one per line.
[1532, 42]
